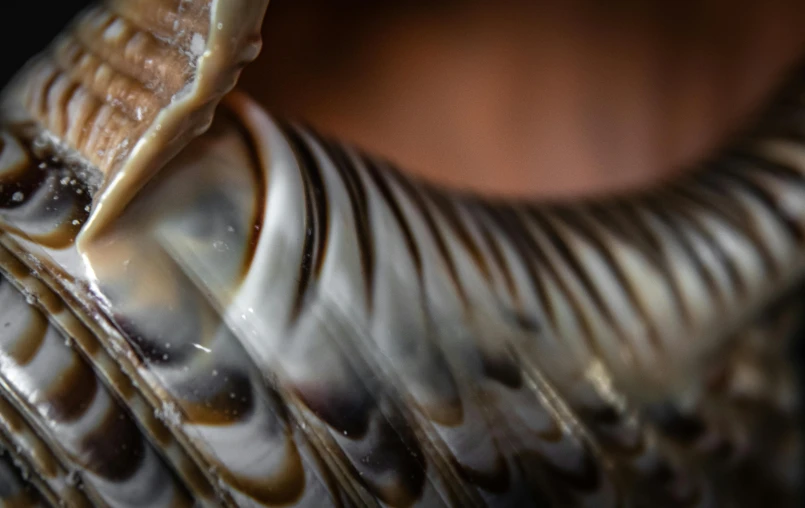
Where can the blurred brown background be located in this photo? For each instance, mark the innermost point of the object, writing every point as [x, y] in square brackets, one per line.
[550, 97]
[529, 96]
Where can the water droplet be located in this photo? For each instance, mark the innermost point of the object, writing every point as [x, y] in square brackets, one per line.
[197, 44]
[17, 197]
[169, 414]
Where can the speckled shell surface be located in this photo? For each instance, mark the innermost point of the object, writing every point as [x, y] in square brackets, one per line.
[245, 313]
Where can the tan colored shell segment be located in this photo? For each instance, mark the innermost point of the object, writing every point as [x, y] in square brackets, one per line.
[130, 83]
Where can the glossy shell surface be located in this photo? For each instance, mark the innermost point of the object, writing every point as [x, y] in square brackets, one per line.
[236, 311]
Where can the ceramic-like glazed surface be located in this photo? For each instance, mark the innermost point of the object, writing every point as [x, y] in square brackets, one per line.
[265, 317]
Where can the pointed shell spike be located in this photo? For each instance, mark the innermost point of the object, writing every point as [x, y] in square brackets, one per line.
[129, 84]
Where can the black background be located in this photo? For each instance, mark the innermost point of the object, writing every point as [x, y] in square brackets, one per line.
[28, 26]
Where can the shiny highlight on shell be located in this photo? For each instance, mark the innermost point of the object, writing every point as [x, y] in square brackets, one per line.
[203, 305]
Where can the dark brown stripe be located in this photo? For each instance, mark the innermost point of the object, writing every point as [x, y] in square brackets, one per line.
[557, 240]
[261, 190]
[116, 449]
[574, 220]
[218, 401]
[27, 346]
[757, 162]
[670, 222]
[739, 174]
[621, 219]
[73, 394]
[396, 211]
[501, 367]
[497, 481]
[625, 221]
[360, 213]
[441, 246]
[28, 181]
[497, 255]
[447, 208]
[311, 256]
[680, 207]
[534, 261]
[718, 198]
[320, 202]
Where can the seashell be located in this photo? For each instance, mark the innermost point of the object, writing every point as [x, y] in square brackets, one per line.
[202, 305]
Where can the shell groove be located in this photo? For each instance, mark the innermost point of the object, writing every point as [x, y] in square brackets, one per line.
[277, 319]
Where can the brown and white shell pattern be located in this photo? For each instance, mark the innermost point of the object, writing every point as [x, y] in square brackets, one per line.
[201, 305]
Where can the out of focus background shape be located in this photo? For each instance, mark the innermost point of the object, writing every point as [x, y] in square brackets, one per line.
[516, 97]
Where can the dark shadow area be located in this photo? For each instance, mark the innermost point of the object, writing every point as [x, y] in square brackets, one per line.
[29, 27]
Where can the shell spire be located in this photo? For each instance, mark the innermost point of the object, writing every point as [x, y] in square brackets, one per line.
[130, 83]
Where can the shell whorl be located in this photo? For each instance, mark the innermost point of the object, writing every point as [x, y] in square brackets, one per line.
[277, 319]
[131, 82]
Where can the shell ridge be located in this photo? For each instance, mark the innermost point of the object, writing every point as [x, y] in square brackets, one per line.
[87, 344]
[128, 153]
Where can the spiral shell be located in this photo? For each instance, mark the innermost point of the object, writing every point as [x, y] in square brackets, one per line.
[236, 311]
